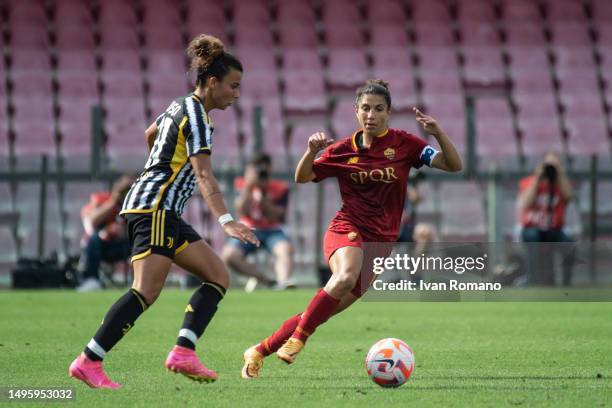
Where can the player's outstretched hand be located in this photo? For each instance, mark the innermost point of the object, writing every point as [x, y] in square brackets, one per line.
[318, 141]
[429, 124]
[241, 232]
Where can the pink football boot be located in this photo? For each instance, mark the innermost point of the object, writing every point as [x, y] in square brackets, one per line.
[185, 361]
[91, 373]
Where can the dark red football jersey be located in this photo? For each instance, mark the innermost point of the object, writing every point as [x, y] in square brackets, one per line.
[372, 181]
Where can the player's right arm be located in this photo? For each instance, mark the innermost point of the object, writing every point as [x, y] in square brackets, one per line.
[316, 142]
[150, 135]
[209, 187]
[527, 197]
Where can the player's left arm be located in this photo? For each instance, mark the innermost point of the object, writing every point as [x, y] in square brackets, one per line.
[448, 158]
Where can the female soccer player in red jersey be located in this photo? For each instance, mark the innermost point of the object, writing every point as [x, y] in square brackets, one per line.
[179, 159]
[372, 170]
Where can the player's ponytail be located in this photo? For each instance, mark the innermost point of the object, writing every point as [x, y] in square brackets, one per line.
[210, 59]
[375, 87]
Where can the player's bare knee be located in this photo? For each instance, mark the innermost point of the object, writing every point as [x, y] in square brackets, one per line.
[344, 282]
[150, 294]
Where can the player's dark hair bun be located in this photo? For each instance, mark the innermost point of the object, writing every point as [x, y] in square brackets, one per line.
[204, 50]
[210, 59]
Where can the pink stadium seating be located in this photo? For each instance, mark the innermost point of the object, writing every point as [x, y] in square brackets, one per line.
[347, 68]
[272, 122]
[251, 13]
[77, 85]
[429, 35]
[343, 35]
[34, 138]
[476, 11]
[28, 36]
[121, 62]
[72, 12]
[225, 136]
[520, 11]
[344, 121]
[206, 17]
[340, 10]
[297, 36]
[437, 59]
[525, 34]
[73, 37]
[570, 34]
[461, 220]
[81, 61]
[119, 39]
[116, 14]
[439, 83]
[30, 60]
[565, 10]
[389, 36]
[483, 64]
[163, 36]
[253, 37]
[166, 88]
[300, 132]
[27, 12]
[166, 63]
[123, 86]
[304, 91]
[388, 13]
[431, 11]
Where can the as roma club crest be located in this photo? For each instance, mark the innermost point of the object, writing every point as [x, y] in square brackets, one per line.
[352, 236]
[389, 153]
[353, 160]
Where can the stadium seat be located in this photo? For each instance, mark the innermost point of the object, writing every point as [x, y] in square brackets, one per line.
[127, 85]
[461, 221]
[300, 132]
[73, 37]
[429, 35]
[296, 36]
[388, 13]
[483, 64]
[431, 11]
[251, 13]
[344, 121]
[388, 36]
[163, 36]
[340, 12]
[34, 138]
[24, 35]
[539, 136]
[565, 11]
[304, 91]
[225, 136]
[347, 68]
[525, 34]
[167, 88]
[342, 35]
[517, 11]
[116, 14]
[119, 39]
[588, 136]
[440, 83]
[25, 60]
[72, 13]
[438, 60]
[475, 12]
[272, 121]
[168, 63]
[206, 16]
[78, 61]
[79, 85]
[570, 34]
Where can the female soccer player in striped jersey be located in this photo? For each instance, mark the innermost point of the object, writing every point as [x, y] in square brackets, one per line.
[372, 170]
[179, 158]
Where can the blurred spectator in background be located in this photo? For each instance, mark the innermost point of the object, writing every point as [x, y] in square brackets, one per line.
[409, 216]
[105, 237]
[262, 205]
[543, 197]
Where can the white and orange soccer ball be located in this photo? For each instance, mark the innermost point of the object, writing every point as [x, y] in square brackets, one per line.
[390, 362]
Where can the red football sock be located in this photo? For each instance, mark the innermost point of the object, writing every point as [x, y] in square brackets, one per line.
[318, 311]
[279, 337]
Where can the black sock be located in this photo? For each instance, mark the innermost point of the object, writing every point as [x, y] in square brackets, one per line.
[199, 312]
[118, 321]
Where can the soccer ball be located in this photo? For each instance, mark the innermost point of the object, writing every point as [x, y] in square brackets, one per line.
[390, 362]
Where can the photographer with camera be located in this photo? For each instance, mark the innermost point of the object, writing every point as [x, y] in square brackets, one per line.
[543, 198]
[262, 205]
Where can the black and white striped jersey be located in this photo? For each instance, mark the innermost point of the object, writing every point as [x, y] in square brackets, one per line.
[168, 181]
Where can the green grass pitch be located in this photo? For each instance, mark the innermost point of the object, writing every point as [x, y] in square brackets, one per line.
[467, 354]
